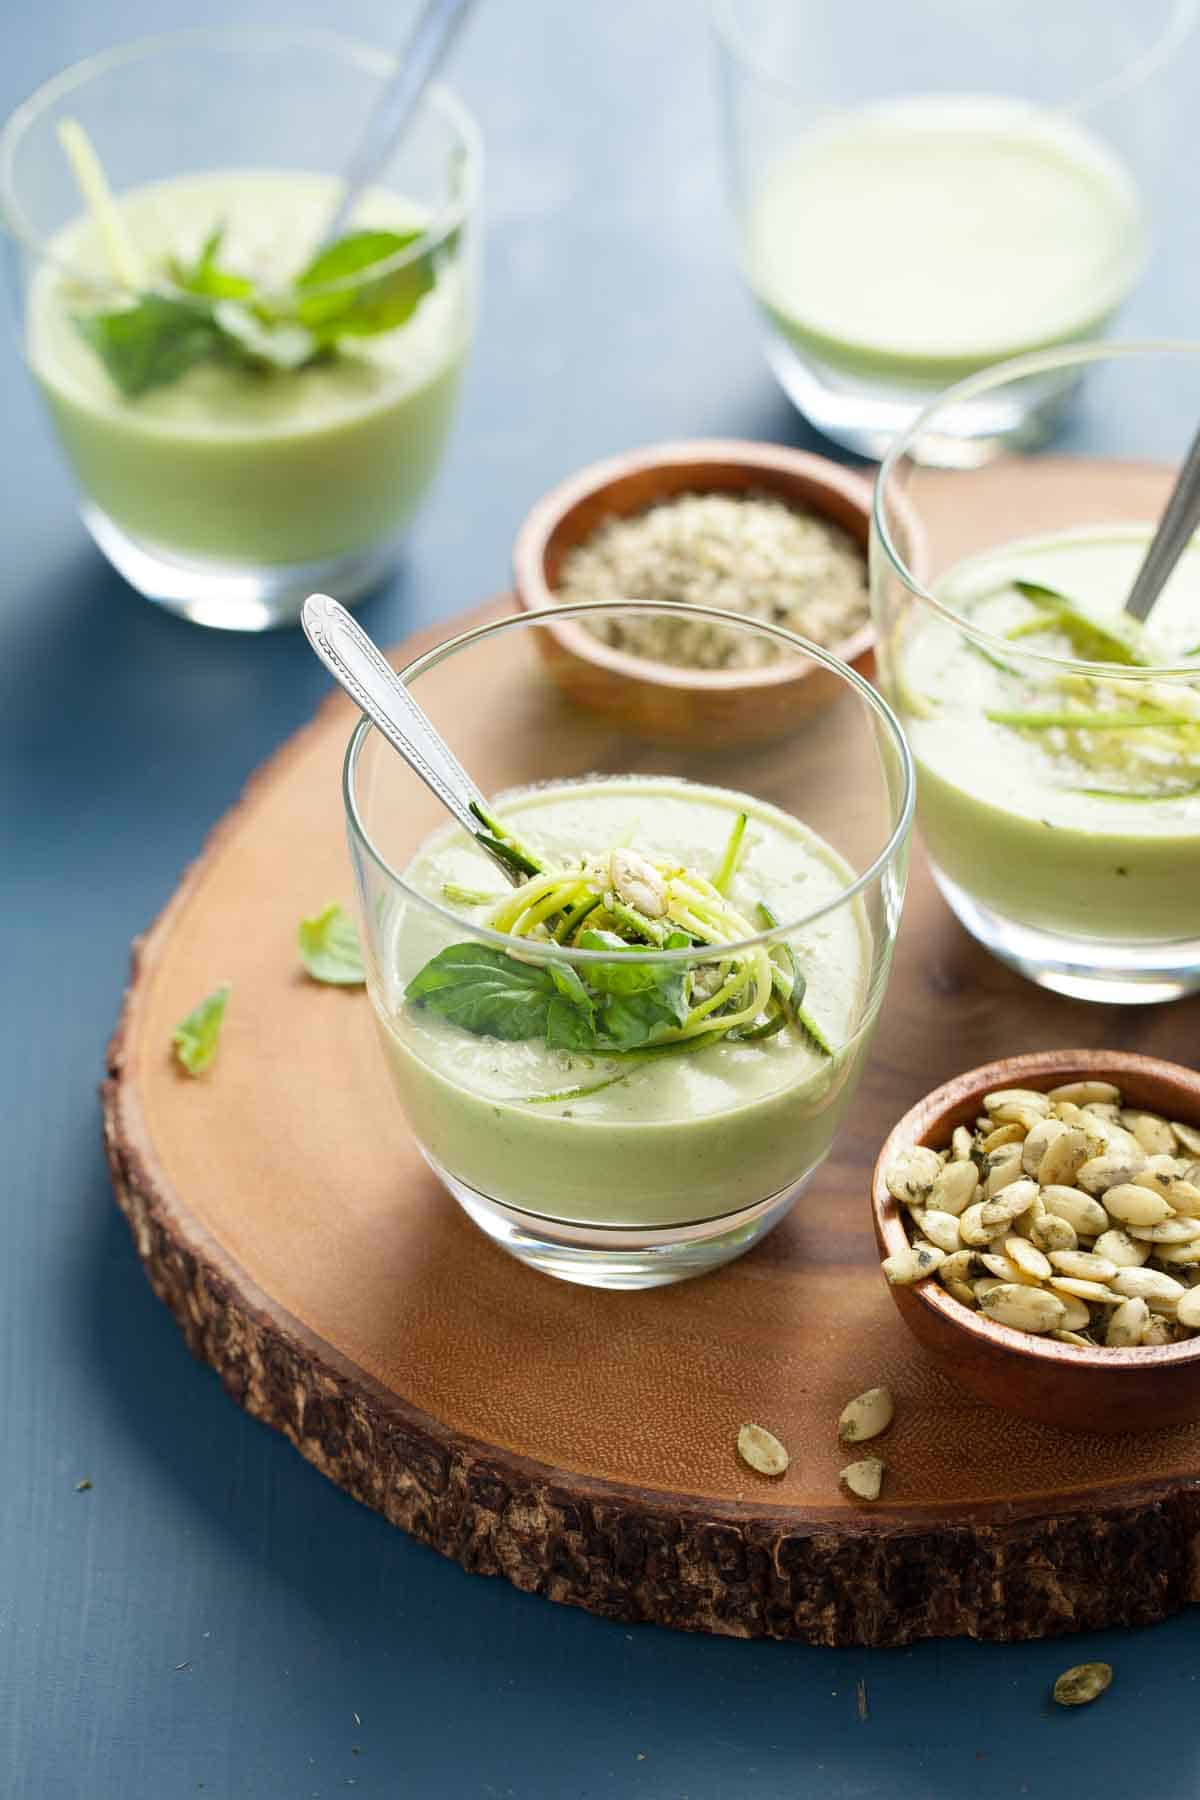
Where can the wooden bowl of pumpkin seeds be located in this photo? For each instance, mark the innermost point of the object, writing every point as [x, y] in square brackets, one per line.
[773, 535]
[1039, 1224]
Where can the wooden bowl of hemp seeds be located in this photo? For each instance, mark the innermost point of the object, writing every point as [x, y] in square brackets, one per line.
[1039, 1225]
[758, 530]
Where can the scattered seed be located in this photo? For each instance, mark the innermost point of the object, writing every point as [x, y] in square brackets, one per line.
[860, 1689]
[762, 1451]
[866, 1416]
[1082, 1684]
[82, 1487]
[863, 1479]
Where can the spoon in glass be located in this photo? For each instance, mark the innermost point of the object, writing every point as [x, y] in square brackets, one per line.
[360, 667]
[1180, 518]
[431, 38]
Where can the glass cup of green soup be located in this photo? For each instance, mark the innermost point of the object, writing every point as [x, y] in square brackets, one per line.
[923, 189]
[1057, 740]
[626, 1050]
[253, 404]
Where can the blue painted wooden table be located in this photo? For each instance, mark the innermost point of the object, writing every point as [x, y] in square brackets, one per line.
[209, 1616]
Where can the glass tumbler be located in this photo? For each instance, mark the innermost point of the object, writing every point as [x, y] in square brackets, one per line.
[227, 486]
[922, 190]
[627, 1114]
[1057, 742]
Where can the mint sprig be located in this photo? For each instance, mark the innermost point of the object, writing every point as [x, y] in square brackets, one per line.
[211, 313]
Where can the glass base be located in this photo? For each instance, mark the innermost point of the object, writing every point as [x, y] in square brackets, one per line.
[230, 596]
[603, 1256]
[1083, 969]
[866, 414]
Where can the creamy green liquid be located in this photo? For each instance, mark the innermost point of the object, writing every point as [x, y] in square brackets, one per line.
[921, 239]
[683, 1137]
[237, 465]
[1002, 811]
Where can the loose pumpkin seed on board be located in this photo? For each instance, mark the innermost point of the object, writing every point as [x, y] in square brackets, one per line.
[761, 1450]
[866, 1416]
[1083, 1683]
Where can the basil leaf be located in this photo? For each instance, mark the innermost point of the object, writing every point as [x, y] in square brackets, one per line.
[151, 343]
[332, 305]
[329, 948]
[620, 977]
[205, 277]
[568, 1026]
[195, 1038]
[485, 991]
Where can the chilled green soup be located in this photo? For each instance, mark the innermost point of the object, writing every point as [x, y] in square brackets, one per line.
[920, 239]
[241, 464]
[1091, 829]
[636, 1139]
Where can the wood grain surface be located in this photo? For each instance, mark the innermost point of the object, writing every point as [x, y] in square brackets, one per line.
[582, 1443]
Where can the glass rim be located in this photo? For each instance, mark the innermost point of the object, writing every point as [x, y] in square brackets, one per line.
[354, 51]
[548, 952]
[1180, 20]
[1038, 362]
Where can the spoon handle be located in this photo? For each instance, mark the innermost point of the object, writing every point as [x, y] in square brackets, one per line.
[424, 51]
[357, 665]
[1174, 534]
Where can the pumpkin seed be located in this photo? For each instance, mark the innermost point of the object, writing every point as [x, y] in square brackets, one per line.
[1148, 1284]
[960, 1267]
[1182, 1197]
[1188, 1136]
[913, 1174]
[1024, 1308]
[961, 1144]
[1006, 1102]
[1109, 1170]
[1133, 1205]
[1038, 1142]
[1167, 1231]
[1008, 1133]
[1063, 1157]
[954, 1188]
[1052, 1233]
[1158, 1331]
[1126, 1324]
[1003, 1168]
[1154, 1134]
[1005, 1269]
[1181, 1256]
[1188, 1310]
[1073, 1337]
[1120, 1248]
[1083, 1289]
[971, 1228]
[1027, 1257]
[1083, 1264]
[867, 1415]
[761, 1450]
[960, 1291]
[1079, 1209]
[941, 1228]
[912, 1264]
[1080, 1685]
[1077, 1317]
[1086, 1093]
[863, 1479]
[1008, 1204]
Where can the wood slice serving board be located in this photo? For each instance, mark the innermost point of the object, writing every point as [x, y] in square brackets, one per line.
[582, 1443]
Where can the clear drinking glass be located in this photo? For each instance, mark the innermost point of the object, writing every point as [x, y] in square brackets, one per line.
[1057, 746]
[923, 189]
[644, 1166]
[229, 492]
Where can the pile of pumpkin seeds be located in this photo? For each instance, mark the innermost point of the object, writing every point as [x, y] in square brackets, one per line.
[1063, 1213]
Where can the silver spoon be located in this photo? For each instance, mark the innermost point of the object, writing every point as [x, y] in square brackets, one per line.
[1181, 516]
[431, 38]
[359, 666]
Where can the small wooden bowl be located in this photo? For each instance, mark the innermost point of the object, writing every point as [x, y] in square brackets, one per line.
[1057, 1384]
[656, 700]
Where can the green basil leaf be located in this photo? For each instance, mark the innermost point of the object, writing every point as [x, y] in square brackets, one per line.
[619, 977]
[205, 277]
[329, 948]
[152, 342]
[196, 1037]
[569, 1026]
[485, 991]
[331, 305]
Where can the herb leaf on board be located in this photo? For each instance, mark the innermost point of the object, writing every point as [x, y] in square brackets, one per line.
[196, 1036]
[329, 948]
